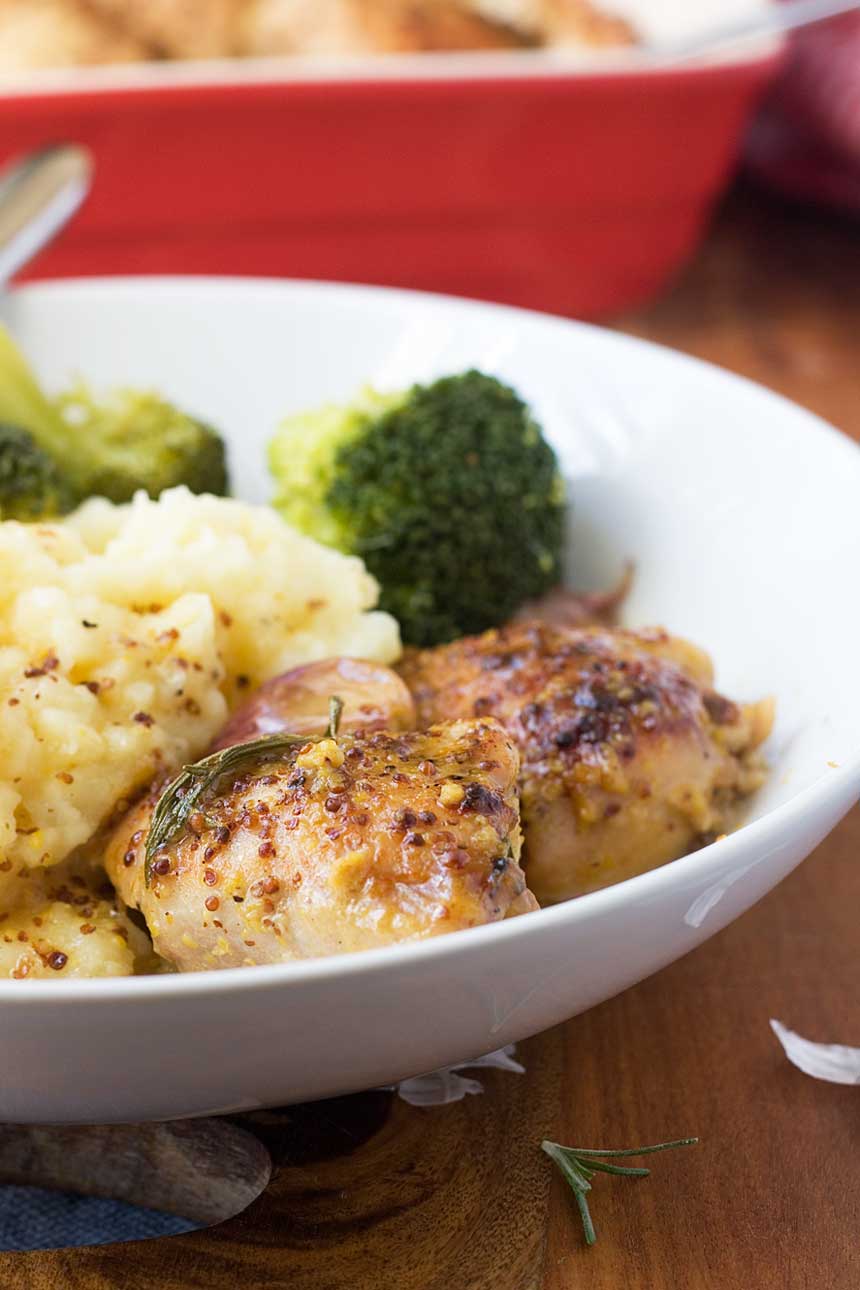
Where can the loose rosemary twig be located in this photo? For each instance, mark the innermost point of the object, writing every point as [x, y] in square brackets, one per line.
[579, 1165]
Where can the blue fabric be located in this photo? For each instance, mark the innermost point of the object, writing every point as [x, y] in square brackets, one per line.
[33, 1219]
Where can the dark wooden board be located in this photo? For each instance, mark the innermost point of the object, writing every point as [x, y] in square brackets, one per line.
[366, 1192]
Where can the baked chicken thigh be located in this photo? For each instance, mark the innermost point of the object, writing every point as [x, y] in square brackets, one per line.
[629, 757]
[324, 845]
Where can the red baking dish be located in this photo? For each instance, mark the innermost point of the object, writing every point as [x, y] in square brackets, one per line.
[511, 177]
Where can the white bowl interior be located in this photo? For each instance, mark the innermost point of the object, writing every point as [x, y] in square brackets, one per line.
[743, 525]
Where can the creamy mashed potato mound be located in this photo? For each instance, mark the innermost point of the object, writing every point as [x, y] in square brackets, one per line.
[67, 920]
[126, 635]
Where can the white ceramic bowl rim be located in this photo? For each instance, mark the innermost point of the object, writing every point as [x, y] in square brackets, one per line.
[761, 833]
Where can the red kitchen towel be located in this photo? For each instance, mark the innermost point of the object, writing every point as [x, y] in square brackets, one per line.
[806, 141]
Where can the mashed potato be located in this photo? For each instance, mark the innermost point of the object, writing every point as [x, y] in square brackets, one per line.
[68, 922]
[126, 634]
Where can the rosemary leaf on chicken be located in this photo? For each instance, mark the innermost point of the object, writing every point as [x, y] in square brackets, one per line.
[188, 791]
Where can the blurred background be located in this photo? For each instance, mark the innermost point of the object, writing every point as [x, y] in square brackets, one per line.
[567, 155]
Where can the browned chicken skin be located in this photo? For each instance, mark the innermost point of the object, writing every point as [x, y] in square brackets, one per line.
[629, 758]
[336, 845]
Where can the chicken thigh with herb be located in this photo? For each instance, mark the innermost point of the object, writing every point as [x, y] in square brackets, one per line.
[301, 847]
[629, 757]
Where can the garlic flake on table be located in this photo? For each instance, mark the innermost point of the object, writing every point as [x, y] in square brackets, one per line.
[835, 1063]
[438, 1088]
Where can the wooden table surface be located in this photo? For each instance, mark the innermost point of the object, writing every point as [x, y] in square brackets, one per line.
[461, 1198]
[771, 1198]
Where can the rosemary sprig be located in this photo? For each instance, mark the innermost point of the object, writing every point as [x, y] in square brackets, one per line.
[335, 711]
[579, 1165]
[185, 794]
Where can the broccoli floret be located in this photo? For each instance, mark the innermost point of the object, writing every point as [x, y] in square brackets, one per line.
[449, 492]
[111, 447]
[135, 439]
[31, 484]
[23, 403]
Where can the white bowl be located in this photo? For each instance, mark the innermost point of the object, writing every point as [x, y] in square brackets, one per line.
[742, 514]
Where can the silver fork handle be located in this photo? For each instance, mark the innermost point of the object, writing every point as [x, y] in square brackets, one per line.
[38, 195]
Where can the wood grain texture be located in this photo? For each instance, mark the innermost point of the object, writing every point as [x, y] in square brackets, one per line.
[368, 1192]
[372, 1195]
[771, 1196]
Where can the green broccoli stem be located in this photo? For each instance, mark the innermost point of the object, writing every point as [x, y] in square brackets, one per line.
[23, 403]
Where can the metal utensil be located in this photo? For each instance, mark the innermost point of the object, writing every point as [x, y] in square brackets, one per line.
[38, 195]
